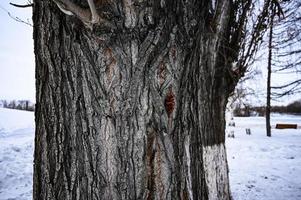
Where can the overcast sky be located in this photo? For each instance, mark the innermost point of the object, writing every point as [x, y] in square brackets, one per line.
[16, 54]
[17, 67]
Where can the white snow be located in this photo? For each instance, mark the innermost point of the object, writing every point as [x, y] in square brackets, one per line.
[260, 168]
[16, 154]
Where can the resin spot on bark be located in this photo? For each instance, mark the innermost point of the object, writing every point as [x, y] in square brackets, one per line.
[170, 102]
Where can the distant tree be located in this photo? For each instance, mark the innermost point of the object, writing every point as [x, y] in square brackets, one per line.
[269, 71]
[5, 104]
[27, 105]
[287, 50]
[243, 93]
[12, 104]
[19, 106]
[294, 107]
[31, 107]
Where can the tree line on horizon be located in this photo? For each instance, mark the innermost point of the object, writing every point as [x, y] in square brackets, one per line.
[249, 110]
[18, 104]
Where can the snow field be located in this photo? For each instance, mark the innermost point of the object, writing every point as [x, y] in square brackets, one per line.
[16, 154]
[265, 168]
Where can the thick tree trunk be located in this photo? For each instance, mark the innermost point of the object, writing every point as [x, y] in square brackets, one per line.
[133, 112]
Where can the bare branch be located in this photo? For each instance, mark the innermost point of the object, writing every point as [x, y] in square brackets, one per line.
[287, 85]
[70, 8]
[22, 6]
[95, 17]
[16, 18]
[87, 16]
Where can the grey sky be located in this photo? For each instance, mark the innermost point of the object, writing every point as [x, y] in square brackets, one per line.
[16, 54]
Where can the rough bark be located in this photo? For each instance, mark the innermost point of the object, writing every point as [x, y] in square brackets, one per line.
[135, 111]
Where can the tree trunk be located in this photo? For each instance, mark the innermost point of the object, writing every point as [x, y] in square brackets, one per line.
[135, 111]
[268, 105]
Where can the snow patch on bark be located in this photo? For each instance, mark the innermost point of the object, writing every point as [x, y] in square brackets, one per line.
[216, 171]
[188, 177]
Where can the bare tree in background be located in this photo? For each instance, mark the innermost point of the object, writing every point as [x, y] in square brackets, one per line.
[284, 52]
[269, 72]
[131, 95]
[287, 50]
[240, 99]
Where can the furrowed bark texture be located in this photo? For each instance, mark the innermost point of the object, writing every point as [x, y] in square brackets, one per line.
[135, 111]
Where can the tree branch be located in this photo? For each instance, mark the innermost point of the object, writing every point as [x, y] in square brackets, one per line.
[87, 16]
[287, 85]
[22, 6]
[15, 18]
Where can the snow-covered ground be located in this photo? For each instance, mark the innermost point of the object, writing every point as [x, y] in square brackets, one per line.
[16, 154]
[265, 168]
[261, 168]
